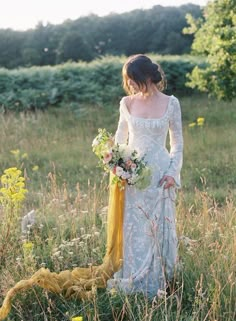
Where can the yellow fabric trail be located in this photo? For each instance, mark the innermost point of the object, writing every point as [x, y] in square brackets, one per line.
[80, 281]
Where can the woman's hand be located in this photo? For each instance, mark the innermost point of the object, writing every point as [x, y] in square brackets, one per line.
[170, 182]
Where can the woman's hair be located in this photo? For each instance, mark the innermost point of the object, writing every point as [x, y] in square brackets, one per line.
[140, 69]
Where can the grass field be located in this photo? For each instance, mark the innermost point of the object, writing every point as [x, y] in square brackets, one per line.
[69, 195]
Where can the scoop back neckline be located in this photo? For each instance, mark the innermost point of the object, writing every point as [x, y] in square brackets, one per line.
[143, 118]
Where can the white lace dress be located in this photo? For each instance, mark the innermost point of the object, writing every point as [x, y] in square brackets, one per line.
[149, 231]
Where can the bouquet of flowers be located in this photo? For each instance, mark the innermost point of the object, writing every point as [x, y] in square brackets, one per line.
[123, 163]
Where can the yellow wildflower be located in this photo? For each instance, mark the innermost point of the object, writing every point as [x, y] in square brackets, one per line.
[28, 249]
[15, 152]
[113, 292]
[28, 245]
[200, 119]
[13, 187]
[35, 168]
[24, 156]
[77, 319]
[192, 125]
[200, 123]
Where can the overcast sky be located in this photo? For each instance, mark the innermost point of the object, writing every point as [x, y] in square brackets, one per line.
[25, 14]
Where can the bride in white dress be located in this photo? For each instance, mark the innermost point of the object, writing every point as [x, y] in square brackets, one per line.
[149, 231]
[149, 227]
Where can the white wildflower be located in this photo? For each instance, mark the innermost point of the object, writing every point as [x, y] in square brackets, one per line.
[27, 221]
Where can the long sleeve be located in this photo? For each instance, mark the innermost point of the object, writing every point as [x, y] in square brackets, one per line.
[176, 143]
[121, 135]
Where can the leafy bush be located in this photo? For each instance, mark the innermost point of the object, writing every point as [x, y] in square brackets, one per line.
[98, 82]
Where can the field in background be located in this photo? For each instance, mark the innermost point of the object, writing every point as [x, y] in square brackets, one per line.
[69, 195]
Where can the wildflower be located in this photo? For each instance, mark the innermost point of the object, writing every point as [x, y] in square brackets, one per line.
[24, 156]
[28, 220]
[28, 248]
[28, 245]
[113, 291]
[161, 293]
[13, 192]
[35, 168]
[192, 125]
[200, 120]
[15, 152]
[77, 319]
[86, 236]
[57, 253]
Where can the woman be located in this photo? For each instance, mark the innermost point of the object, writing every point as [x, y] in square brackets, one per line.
[149, 232]
[141, 223]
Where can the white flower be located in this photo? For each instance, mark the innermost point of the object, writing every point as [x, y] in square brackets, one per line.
[95, 142]
[119, 171]
[125, 175]
[124, 151]
[27, 221]
[161, 293]
[133, 179]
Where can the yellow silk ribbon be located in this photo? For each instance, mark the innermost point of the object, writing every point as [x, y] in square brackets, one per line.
[80, 282]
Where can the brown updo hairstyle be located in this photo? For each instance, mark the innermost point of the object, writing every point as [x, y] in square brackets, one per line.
[140, 69]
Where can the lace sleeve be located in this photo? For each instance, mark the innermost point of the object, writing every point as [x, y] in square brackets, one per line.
[121, 135]
[176, 143]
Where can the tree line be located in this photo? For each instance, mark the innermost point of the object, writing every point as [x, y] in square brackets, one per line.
[157, 30]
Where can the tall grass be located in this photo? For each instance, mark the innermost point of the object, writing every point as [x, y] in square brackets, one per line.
[69, 195]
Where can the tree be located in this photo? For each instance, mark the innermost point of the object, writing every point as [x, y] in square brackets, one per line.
[73, 46]
[215, 37]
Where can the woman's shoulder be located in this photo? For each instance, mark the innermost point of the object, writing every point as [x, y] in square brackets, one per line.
[170, 97]
[175, 101]
[125, 103]
[126, 100]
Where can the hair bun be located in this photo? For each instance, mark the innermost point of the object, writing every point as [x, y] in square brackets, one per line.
[156, 75]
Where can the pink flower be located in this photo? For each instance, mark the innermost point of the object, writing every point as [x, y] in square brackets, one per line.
[107, 157]
[133, 165]
[128, 163]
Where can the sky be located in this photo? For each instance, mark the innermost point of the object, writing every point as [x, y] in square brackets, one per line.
[25, 14]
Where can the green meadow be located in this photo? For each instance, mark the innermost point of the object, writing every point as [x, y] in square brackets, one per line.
[69, 194]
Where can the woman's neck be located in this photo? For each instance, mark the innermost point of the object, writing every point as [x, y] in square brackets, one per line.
[151, 92]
